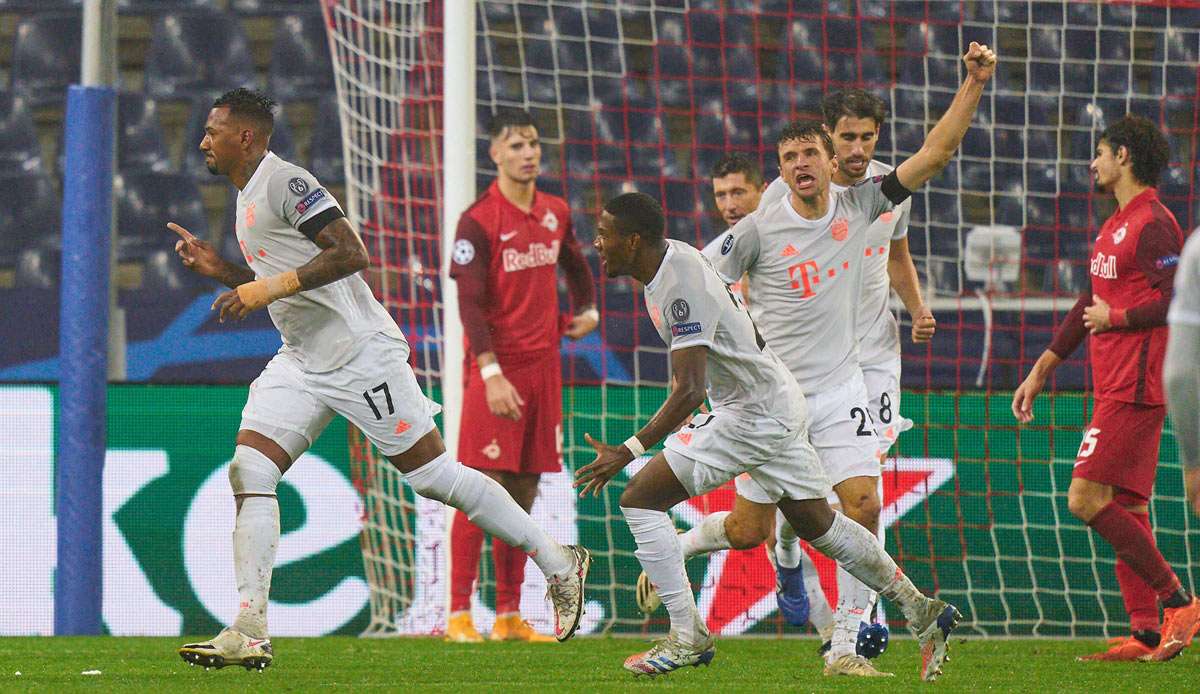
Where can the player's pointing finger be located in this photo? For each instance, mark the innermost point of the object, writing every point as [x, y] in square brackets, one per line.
[183, 233]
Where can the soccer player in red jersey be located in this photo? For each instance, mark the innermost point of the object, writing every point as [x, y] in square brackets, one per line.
[508, 247]
[1132, 269]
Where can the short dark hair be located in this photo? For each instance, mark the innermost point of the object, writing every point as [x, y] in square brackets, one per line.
[1147, 146]
[807, 129]
[254, 106]
[637, 213]
[736, 162]
[509, 118]
[855, 103]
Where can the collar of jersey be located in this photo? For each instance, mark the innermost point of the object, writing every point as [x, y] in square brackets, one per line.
[261, 166]
[494, 189]
[787, 204]
[667, 256]
[1145, 197]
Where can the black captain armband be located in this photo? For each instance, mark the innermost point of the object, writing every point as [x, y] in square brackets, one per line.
[893, 189]
[314, 226]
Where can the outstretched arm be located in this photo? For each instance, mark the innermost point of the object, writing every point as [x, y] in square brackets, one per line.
[941, 142]
[689, 369]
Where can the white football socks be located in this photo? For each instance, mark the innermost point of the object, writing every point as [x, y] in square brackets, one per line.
[255, 539]
[787, 544]
[855, 548]
[491, 508]
[708, 536]
[820, 614]
[661, 559]
[789, 554]
[855, 601]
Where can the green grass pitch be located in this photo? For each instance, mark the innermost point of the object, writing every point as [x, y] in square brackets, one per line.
[581, 665]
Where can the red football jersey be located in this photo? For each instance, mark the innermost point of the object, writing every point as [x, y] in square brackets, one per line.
[1132, 268]
[505, 261]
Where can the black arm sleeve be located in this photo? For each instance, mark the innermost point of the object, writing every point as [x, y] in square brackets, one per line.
[313, 226]
[893, 189]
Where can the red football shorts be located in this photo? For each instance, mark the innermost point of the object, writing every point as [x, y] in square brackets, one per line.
[1120, 446]
[533, 443]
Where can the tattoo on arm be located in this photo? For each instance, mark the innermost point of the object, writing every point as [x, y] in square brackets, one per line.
[342, 254]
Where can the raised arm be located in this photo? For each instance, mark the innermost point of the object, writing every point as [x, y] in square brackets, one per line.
[941, 142]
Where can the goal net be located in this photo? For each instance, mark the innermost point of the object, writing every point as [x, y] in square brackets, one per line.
[646, 96]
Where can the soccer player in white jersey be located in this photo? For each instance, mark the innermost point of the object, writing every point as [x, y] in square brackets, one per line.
[804, 251]
[342, 354]
[1180, 377]
[757, 425]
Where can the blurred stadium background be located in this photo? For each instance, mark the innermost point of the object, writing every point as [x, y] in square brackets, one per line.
[639, 95]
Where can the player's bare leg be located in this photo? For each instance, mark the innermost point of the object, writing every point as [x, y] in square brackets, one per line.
[855, 548]
[645, 501]
[258, 465]
[433, 474]
[859, 501]
[1094, 503]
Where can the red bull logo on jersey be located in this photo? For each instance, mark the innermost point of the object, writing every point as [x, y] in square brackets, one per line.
[1104, 266]
[538, 255]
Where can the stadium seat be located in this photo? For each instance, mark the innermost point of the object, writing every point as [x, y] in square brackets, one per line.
[38, 268]
[300, 63]
[195, 54]
[146, 202]
[45, 56]
[33, 224]
[141, 146]
[20, 151]
[267, 7]
[326, 145]
[160, 6]
[162, 273]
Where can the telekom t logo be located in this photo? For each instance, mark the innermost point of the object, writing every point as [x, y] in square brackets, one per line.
[810, 274]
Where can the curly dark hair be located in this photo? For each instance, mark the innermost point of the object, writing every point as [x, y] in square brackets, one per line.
[807, 129]
[853, 103]
[637, 213]
[256, 107]
[1146, 144]
[736, 162]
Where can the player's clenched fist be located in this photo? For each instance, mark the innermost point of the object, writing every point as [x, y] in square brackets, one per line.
[980, 61]
[923, 325]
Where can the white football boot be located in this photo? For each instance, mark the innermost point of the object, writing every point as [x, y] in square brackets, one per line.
[229, 648]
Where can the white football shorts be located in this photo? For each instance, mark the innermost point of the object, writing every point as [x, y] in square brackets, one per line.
[376, 390]
[883, 391]
[842, 430]
[720, 445]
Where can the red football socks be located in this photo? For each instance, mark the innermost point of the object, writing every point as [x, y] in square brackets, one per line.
[466, 544]
[1141, 602]
[510, 574]
[1134, 545]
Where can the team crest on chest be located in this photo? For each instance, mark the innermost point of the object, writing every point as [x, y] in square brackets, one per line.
[841, 229]
[550, 220]
[1119, 234]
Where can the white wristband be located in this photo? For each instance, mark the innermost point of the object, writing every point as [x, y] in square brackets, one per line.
[635, 446]
[591, 313]
[489, 370]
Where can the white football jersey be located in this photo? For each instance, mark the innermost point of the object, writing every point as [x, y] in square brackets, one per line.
[1185, 305]
[321, 326]
[878, 330]
[689, 306]
[806, 277]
